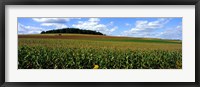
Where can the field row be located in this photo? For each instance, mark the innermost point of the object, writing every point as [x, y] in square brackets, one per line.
[100, 38]
[96, 44]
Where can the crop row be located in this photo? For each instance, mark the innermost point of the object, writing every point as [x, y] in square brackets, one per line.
[40, 57]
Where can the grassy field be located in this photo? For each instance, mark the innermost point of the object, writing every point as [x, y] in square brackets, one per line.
[78, 51]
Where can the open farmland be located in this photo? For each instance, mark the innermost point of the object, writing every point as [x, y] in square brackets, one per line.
[82, 51]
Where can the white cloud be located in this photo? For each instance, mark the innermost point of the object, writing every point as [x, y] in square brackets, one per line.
[51, 20]
[56, 25]
[179, 26]
[127, 24]
[171, 33]
[93, 24]
[142, 25]
[22, 29]
[94, 20]
[144, 28]
[110, 24]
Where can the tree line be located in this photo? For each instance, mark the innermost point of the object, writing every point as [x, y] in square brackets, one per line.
[72, 30]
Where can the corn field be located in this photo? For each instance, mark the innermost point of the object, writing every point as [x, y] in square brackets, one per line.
[87, 54]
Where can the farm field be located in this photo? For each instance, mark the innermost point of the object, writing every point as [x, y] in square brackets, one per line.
[84, 51]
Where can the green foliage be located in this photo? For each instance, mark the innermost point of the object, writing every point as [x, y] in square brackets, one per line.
[72, 30]
[40, 57]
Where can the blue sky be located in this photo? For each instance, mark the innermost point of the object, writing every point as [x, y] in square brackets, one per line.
[164, 28]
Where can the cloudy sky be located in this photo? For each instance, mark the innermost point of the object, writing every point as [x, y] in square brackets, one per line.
[165, 28]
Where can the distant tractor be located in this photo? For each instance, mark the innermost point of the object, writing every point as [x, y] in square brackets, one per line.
[59, 34]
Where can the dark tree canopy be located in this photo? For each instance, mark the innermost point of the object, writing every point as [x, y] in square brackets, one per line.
[72, 30]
